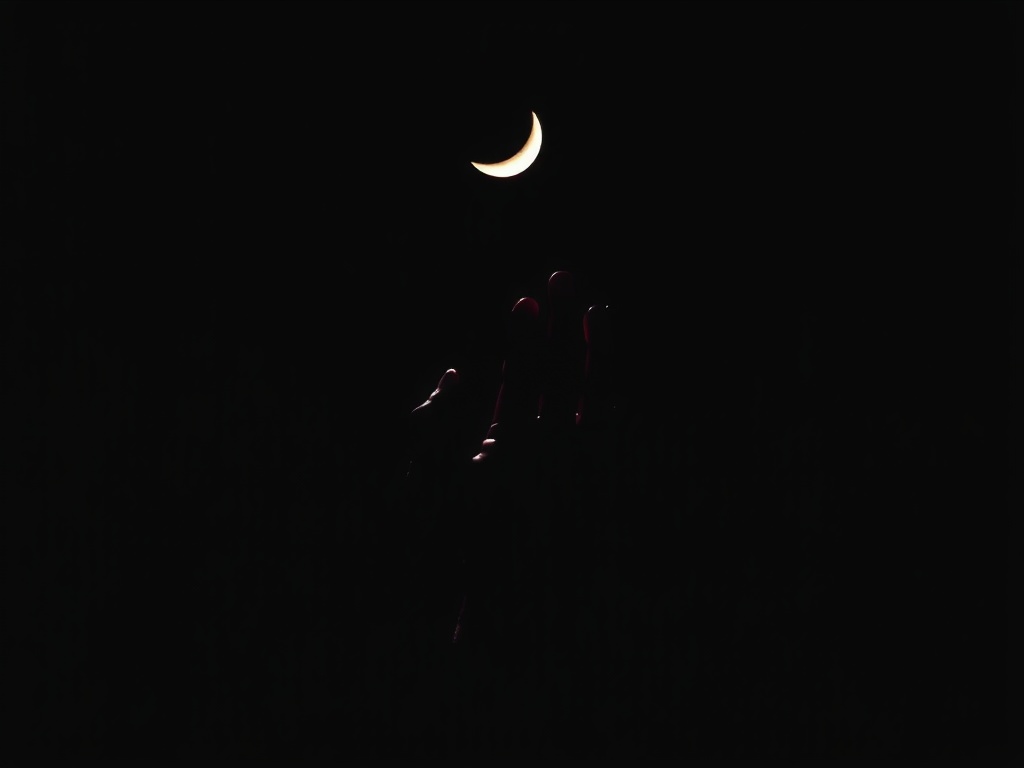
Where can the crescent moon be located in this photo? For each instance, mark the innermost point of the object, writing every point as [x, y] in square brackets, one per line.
[520, 161]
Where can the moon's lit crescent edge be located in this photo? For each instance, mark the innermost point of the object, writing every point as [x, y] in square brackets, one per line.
[521, 160]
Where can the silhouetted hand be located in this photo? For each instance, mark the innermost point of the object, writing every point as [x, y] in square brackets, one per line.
[498, 547]
[509, 527]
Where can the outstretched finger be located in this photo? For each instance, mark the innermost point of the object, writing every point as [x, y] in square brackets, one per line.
[563, 355]
[432, 424]
[597, 400]
[515, 408]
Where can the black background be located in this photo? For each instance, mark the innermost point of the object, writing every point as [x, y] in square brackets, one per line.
[239, 242]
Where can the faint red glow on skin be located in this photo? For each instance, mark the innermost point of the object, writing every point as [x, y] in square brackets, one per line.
[521, 160]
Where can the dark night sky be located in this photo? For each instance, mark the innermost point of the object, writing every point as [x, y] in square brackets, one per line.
[240, 241]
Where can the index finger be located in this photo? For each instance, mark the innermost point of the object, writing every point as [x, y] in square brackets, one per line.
[563, 354]
[597, 398]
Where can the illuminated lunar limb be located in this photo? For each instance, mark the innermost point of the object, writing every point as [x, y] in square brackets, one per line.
[521, 160]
